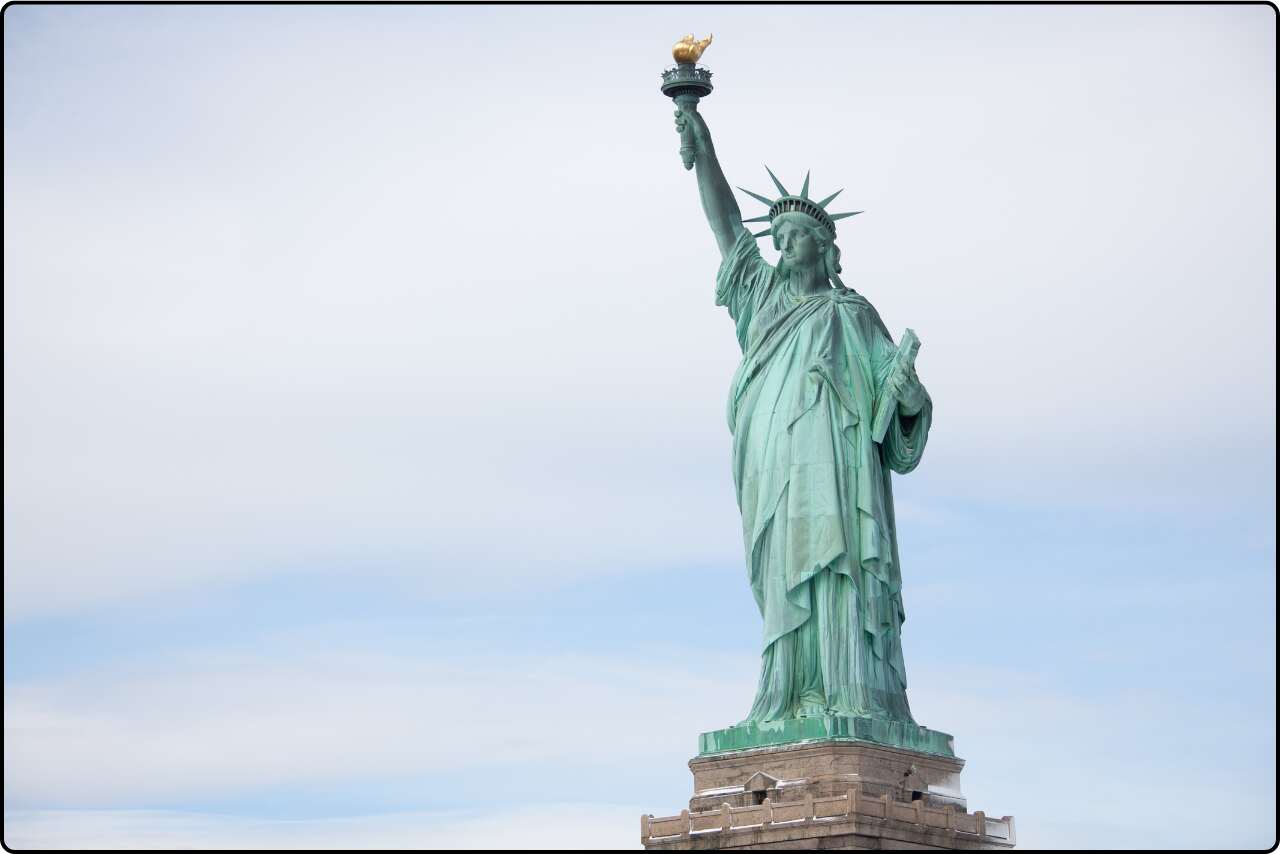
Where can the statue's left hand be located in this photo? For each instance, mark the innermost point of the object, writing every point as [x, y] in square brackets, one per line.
[910, 393]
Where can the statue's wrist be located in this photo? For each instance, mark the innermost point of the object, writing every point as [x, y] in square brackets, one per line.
[910, 399]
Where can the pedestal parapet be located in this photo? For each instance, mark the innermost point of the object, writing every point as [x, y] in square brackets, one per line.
[830, 794]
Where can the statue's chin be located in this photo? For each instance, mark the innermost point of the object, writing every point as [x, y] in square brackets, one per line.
[800, 267]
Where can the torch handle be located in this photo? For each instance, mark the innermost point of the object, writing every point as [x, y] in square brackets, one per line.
[689, 104]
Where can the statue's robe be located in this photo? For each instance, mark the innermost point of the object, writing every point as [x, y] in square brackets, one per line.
[813, 488]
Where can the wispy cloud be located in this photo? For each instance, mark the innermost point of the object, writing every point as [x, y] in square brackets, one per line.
[218, 723]
[1076, 769]
[246, 332]
[583, 826]
[290, 304]
[1084, 769]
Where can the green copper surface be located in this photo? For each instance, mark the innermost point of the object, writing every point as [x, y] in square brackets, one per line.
[823, 408]
[750, 735]
[686, 84]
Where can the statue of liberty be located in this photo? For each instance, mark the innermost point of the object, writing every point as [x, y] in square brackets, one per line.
[822, 408]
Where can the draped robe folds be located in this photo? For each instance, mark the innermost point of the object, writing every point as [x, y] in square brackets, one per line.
[814, 491]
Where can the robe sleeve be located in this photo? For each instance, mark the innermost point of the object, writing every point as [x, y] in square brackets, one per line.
[904, 441]
[743, 283]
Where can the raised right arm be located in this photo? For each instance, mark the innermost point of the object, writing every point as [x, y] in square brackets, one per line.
[718, 202]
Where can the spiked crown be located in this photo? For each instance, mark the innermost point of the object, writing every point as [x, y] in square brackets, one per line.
[789, 203]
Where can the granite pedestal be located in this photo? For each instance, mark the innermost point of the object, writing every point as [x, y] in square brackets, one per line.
[831, 794]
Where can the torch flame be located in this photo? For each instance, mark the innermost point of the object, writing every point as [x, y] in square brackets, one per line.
[688, 51]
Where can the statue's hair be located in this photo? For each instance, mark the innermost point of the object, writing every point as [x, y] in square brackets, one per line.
[830, 252]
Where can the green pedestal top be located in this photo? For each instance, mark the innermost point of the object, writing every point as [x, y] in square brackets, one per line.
[750, 735]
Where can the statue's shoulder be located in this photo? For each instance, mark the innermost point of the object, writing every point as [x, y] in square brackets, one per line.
[744, 258]
[852, 299]
[856, 303]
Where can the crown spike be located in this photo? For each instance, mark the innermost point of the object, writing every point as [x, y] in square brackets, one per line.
[843, 215]
[776, 182]
[763, 233]
[804, 191]
[823, 204]
[757, 196]
[764, 218]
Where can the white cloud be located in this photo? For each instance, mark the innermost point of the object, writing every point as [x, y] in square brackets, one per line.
[294, 711]
[582, 826]
[1114, 769]
[444, 327]
[1076, 771]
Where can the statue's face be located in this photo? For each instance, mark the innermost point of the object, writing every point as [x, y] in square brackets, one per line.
[798, 245]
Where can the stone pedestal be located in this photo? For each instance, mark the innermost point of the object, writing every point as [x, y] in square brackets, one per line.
[826, 794]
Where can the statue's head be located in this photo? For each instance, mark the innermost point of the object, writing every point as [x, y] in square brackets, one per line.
[801, 240]
[805, 243]
[802, 229]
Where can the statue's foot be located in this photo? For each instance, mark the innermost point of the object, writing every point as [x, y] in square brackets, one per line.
[812, 710]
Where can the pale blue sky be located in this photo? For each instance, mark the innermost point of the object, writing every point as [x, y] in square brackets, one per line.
[365, 455]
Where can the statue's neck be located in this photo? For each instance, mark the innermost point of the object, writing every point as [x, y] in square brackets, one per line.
[812, 280]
